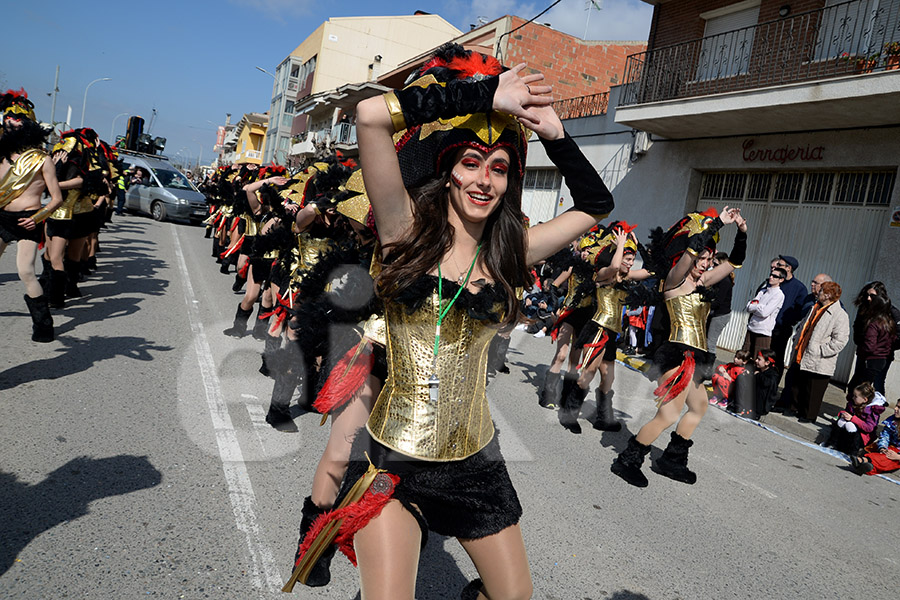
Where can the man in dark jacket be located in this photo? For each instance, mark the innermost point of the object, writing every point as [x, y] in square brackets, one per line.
[791, 310]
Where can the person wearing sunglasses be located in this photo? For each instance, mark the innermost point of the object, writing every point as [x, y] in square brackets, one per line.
[763, 311]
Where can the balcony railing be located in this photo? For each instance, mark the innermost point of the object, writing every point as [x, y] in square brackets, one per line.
[344, 133]
[853, 37]
[582, 106]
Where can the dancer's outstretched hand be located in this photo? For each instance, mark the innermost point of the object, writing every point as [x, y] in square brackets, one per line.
[549, 127]
[519, 96]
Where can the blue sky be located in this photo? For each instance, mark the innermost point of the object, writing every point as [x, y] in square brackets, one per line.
[193, 61]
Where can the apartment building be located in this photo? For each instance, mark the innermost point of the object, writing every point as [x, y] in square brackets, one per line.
[340, 51]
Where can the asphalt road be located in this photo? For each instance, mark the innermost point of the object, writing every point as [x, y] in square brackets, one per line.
[134, 462]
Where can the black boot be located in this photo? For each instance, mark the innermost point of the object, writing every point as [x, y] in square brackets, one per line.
[502, 348]
[673, 462]
[605, 420]
[215, 249]
[287, 366]
[239, 328]
[57, 288]
[472, 589]
[239, 282]
[42, 322]
[44, 279]
[552, 392]
[208, 232]
[92, 263]
[72, 273]
[84, 269]
[572, 399]
[320, 574]
[260, 325]
[273, 344]
[628, 464]
[224, 268]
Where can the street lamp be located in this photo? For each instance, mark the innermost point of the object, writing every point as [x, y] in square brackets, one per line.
[199, 156]
[266, 72]
[84, 102]
[112, 128]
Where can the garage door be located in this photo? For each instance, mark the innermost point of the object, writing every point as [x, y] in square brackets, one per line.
[831, 221]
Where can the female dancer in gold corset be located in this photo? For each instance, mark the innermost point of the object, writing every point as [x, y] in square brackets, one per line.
[683, 359]
[446, 200]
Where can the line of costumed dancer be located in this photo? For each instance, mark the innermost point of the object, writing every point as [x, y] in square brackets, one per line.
[78, 178]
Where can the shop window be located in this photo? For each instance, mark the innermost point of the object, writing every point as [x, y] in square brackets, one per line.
[881, 188]
[711, 188]
[818, 188]
[851, 188]
[542, 179]
[788, 187]
[758, 187]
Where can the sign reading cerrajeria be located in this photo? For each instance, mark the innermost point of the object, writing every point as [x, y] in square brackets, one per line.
[783, 154]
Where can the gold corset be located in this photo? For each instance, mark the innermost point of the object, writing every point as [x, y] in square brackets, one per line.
[85, 204]
[305, 255]
[687, 315]
[251, 226]
[610, 302]
[20, 175]
[65, 210]
[404, 418]
[575, 281]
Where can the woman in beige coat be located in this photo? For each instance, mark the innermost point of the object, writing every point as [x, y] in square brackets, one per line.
[817, 343]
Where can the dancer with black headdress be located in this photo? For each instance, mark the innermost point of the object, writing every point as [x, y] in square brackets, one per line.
[26, 172]
[681, 259]
[446, 200]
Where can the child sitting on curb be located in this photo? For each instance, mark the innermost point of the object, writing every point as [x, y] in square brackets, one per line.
[855, 424]
[754, 394]
[886, 458]
[724, 377]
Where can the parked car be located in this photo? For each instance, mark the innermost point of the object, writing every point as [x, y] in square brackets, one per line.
[164, 192]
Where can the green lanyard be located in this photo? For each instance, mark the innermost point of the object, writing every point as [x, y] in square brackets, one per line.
[443, 312]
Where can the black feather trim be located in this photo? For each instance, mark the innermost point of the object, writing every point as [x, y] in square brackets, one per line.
[482, 306]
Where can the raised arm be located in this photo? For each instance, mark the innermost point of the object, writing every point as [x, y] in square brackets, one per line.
[616, 262]
[590, 196]
[251, 188]
[735, 258]
[378, 118]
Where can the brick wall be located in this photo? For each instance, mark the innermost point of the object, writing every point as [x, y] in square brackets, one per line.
[676, 22]
[572, 66]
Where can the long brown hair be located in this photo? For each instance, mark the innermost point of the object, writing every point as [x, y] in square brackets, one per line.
[503, 242]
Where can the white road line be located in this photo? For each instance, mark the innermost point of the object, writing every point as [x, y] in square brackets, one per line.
[264, 573]
[752, 486]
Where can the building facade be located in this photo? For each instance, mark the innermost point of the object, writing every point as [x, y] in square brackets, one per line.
[340, 51]
[249, 139]
[793, 117]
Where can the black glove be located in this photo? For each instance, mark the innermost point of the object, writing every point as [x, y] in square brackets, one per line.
[739, 250]
[444, 101]
[589, 193]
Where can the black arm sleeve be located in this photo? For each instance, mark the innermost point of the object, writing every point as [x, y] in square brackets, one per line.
[739, 250]
[589, 193]
[426, 104]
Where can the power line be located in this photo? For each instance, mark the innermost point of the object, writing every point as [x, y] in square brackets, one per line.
[498, 52]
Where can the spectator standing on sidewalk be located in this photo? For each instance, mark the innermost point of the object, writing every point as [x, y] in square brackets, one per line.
[874, 333]
[791, 311]
[817, 344]
[763, 310]
[720, 309]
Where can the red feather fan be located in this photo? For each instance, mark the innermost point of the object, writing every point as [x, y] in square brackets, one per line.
[346, 379]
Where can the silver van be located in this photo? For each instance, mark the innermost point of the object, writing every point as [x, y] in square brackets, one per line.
[164, 193]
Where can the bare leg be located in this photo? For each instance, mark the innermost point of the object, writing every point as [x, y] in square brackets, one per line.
[334, 461]
[251, 293]
[2, 247]
[56, 249]
[25, 255]
[607, 375]
[697, 403]
[387, 551]
[666, 415]
[502, 563]
[563, 341]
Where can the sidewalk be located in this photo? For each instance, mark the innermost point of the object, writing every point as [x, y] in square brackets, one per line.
[833, 402]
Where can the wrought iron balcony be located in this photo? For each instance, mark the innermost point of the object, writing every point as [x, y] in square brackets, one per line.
[860, 36]
[582, 106]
